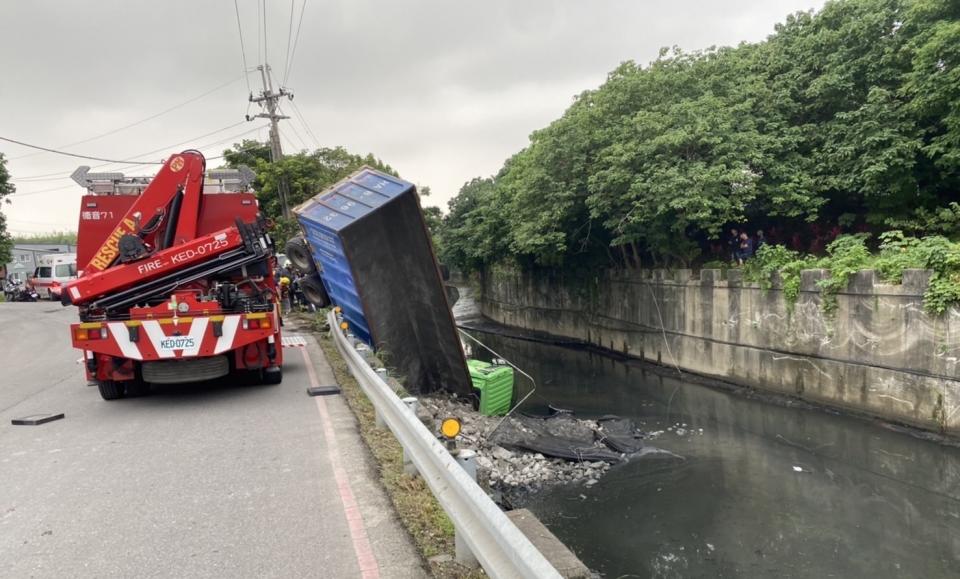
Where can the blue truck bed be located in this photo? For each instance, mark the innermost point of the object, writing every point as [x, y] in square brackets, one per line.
[370, 241]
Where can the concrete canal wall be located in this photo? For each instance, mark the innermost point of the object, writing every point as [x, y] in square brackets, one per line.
[878, 353]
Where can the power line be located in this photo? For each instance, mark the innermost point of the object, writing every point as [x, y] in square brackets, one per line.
[48, 150]
[241, 149]
[289, 141]
[243, 51]
[134, 159]
[228, 139]
[286, 62]
[299, 138]
[144, 120]
[188, 141]
[306, 125]
[200, 148]
[296, 40]
[259, 32]
[29, 193]
[265, 58]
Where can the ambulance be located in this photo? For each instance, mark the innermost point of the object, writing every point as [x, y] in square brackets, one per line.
[53, 272]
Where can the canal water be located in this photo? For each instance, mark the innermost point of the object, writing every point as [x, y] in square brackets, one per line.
[766, 488]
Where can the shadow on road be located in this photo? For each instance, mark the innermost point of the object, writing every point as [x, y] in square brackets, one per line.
[221, 389]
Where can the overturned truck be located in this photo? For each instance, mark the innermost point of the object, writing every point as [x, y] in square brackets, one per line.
[366, 248]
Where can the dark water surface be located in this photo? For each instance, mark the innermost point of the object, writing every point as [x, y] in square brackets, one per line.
[766, 490]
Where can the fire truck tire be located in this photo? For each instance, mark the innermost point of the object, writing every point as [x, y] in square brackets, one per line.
[314, 292]
[272, 375]
[110, 390]
[137, 388]
[299, 255]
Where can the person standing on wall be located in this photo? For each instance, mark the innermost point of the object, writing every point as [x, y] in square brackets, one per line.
[745, 248]
[733, 244]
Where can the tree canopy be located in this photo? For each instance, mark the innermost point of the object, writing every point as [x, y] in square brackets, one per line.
[847, 119]
[306, 174]
[6, 188]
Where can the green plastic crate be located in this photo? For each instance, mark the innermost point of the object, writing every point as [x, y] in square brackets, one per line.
[495, 384]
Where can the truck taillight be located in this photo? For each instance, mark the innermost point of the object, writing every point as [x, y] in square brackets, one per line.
[256, 322]
[96, 332]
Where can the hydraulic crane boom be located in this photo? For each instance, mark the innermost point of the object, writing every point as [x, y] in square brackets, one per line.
[163, 216]
[165, 248]
[228, 248]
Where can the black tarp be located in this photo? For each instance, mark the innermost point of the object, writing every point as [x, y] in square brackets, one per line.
[404, 299]
[562, 435]
[559, 436]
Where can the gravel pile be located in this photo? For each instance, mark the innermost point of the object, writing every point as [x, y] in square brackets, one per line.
[508, 472]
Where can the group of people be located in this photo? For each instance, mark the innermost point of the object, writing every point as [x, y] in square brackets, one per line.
[291, 296]
[742, 246]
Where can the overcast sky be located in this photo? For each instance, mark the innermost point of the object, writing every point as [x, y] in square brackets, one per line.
[443, 90]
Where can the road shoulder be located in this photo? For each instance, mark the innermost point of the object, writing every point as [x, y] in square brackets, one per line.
[376, 530]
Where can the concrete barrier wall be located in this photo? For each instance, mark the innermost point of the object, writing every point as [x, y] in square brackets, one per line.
[878, 353]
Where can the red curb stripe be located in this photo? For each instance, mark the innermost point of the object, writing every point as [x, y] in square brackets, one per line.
[366, 560]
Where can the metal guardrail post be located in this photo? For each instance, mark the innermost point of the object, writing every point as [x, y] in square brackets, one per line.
[377, 417]
[461, 551]
[408, 466]
[496, 542]
[467, 459]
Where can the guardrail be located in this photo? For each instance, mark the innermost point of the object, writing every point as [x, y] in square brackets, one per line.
[499, 546]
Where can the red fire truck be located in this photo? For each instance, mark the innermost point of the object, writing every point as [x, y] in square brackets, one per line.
[175, 285]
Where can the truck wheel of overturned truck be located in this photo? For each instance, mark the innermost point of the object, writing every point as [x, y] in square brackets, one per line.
[111, 390]
[313, 290]
[299, 255]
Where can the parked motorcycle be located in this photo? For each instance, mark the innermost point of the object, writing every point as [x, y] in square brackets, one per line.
[14, 291]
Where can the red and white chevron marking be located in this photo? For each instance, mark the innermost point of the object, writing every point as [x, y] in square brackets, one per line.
[174, 339]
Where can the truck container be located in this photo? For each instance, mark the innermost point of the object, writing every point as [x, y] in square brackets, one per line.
[370, 243]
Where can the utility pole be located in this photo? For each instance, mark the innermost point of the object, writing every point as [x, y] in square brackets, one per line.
[268, 100]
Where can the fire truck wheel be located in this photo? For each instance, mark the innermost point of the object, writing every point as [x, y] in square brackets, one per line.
[299, 255]
[111, 390]
[137, 388]
[272, 375]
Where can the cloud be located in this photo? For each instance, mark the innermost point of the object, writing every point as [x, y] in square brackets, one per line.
[443, 90]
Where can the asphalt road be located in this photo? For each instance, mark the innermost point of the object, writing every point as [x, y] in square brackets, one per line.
[191, 481]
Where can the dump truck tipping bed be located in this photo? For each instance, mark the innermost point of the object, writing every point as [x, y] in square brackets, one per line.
[370, 241]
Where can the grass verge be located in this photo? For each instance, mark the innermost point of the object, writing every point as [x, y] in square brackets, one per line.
[419, 511]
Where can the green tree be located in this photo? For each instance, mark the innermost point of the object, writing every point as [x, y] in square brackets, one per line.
[6, 188]
[847, 116]
[306, 174]
[248, 152]
[59, 237]
[434, 218]
[474, 230]
[690, 159]
[932, 88]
